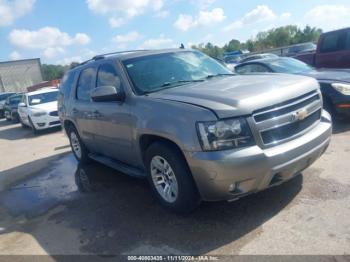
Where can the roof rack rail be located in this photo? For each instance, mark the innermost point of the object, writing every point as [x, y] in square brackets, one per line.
[102, 56]
[115, 53]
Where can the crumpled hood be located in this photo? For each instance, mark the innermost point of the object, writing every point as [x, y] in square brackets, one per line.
[240, 94]
[330, 75]
[48, 107]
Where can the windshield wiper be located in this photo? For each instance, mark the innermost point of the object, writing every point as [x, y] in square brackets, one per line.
[212, 76]
[181, 81]
[168, 85]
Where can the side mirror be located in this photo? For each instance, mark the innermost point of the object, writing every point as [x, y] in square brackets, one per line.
[21, 104]
[107, 94]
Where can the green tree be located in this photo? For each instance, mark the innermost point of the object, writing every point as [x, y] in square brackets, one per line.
[232, 46]
[52, 72]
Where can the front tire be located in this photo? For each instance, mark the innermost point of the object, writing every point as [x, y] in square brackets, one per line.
[78, 148]
[35, 131]
[170, 178]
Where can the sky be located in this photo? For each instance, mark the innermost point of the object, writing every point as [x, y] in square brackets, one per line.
[65, 31]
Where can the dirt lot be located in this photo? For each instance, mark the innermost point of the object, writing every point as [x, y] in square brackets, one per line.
[63, 208]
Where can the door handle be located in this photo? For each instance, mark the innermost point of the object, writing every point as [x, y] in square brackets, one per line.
[75, 111]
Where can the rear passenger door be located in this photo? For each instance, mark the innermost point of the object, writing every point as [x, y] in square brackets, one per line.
[112, 119]
[83, 107]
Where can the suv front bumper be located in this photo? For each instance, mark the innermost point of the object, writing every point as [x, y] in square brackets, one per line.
[231, 174]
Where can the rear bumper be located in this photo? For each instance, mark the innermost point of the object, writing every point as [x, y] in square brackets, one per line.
[231, 174]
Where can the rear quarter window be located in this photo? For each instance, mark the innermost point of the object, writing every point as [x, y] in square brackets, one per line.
[67, 83]
[87, 82]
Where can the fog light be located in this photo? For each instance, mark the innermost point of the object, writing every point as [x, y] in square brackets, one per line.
[41, 124]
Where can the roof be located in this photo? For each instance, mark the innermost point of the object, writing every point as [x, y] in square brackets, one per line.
[125, 55]
[44, 90]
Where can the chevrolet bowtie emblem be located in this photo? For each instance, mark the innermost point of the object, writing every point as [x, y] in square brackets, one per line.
[299, 115]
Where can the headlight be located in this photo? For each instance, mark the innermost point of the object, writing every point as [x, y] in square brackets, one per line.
[224, 134]
[39, 113]
[342, 88]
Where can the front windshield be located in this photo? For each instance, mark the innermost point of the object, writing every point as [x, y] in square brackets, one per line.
[156, 72]
[289, 65]
[43, 98]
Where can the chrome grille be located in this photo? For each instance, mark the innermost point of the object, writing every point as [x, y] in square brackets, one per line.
[284, 121]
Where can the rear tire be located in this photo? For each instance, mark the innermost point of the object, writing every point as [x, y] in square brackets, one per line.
[15, 118]
[79, 150]
[170, 178]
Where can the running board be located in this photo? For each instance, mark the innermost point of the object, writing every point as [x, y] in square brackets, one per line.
[119, 166]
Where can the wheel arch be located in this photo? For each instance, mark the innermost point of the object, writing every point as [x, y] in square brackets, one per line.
[146, 140]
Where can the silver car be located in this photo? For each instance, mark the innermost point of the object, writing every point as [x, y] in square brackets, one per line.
[194, 129]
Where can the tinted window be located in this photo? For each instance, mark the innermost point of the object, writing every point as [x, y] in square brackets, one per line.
[107, 75]
[15, 100]
[42, 98]
[331, 42]
[155, 72]
[289, 65]
[252, 68]
[67, 83]
[347, 41]
[5, 96]
[86, 84]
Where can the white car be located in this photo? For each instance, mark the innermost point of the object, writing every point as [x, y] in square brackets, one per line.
[38, 109]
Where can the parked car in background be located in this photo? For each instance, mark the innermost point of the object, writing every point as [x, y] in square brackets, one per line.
[38, 109]
[3, 97]
[11, 108]
[300, 48]
[194, 129]
[333, 51]
[335, 84]
[257, 56]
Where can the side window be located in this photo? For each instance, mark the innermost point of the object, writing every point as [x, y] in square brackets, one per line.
[107, 76]
[86, 84]
[252, 68]
[242, 69]
[331, 42]
[67, 83]
[259, 68]
[347, 41]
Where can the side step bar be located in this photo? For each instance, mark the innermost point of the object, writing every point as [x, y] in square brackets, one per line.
[119, 166]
